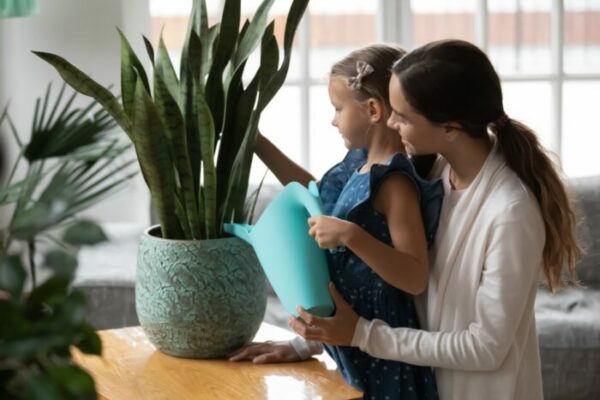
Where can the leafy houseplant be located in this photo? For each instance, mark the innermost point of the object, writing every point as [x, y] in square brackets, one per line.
[71, 164]
[39, 328]
[194, 135]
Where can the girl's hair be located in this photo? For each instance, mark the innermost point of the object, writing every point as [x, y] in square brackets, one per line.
[380, 57]
[454, 80]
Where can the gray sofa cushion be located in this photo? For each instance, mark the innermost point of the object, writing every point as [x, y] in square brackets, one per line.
[587, 192]
[569, 319]
[568, 326]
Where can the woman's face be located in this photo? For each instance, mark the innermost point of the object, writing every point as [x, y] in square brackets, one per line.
[351, 117]
[419, 135]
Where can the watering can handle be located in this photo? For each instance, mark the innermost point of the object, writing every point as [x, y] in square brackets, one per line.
[314, 205]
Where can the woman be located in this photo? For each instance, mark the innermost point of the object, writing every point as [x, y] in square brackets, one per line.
[506, 221]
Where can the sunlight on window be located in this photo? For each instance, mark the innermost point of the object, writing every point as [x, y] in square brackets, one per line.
[519, 33]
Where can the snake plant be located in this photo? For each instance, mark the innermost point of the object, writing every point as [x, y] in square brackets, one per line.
[194, 132]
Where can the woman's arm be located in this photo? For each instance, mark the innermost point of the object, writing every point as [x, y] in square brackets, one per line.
[504, 297]
[403, 265]
[283, 167]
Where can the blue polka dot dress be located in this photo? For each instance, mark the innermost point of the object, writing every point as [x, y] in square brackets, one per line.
[347, 194]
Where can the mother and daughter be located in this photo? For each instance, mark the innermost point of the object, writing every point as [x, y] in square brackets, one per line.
[434, 299]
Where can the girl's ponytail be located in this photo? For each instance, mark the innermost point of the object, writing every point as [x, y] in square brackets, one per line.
[525, 155]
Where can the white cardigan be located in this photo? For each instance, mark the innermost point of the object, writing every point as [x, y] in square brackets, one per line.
[480, 332]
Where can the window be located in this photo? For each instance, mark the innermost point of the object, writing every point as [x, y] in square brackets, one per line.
[547, 53]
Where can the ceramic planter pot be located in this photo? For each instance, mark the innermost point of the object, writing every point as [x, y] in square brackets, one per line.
[200, 298]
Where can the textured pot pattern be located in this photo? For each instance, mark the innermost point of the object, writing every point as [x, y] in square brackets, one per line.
[199, 299]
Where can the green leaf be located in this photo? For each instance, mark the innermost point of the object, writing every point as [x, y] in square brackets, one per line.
[14, 325]
[164, 68]
[68, 313]
[177, 138]
[53, 288]
[293, 20]
[74, 382]
[89, 341]
[198, 24]
[131, 70]
[61, 263]
[269, 56]
[153, 154]
[84, 233]
[69, 130]
[252, 36]
[226, 42]
[42, 387]
[85, 85]
[12, 276]
[190, 115]
[231, 150]
[149, 48]
[207, 137]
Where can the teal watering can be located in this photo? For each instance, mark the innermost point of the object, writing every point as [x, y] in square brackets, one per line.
[290, 257]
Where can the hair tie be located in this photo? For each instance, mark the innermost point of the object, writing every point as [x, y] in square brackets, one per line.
[362, 69]
[502, 120]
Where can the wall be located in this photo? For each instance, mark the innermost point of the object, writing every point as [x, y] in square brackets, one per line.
[83, 32]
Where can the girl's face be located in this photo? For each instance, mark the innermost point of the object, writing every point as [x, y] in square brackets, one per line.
[351, 117]
[419, 135]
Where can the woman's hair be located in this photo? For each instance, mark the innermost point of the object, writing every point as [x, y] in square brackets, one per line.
[454, 80]
[375, 84]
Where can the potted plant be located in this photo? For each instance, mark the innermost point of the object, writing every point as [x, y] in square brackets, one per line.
[72, 163]
[199, 293]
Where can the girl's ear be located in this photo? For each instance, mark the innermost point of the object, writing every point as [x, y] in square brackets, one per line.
[376, 110]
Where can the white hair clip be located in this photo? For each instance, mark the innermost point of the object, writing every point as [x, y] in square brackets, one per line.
[362, 69]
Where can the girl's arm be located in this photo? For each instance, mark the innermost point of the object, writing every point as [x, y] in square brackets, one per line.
[403, 265]
[283, 167]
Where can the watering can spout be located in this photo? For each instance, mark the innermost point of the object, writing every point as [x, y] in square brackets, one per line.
[240, 230]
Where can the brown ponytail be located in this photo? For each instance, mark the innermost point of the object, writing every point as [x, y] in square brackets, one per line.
[453, 80]
[535, 168]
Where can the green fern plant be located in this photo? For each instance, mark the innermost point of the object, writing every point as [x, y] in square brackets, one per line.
[72, 161]
[194, 132]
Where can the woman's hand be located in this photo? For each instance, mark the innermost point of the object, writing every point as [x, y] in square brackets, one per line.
[267, 352]
[330, 232]
[337, 330]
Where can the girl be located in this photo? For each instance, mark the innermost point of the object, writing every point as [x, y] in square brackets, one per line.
[506, 219]
[380, 217]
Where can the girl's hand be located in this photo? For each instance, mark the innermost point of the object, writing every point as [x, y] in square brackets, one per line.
[337, 330]
[267, 352]
[330, 232]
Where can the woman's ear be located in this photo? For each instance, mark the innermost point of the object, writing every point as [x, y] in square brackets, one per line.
[375, 109]
[451, 130]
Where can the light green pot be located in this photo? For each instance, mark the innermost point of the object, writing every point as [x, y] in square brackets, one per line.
[201, 298]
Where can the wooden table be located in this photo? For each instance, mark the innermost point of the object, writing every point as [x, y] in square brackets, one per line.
[131, 368]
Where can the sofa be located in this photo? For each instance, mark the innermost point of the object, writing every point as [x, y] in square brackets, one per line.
[568, 322]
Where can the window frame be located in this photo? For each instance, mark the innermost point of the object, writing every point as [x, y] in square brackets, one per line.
[391, 30]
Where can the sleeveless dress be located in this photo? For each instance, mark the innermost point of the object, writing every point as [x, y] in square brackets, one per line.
[348, 194]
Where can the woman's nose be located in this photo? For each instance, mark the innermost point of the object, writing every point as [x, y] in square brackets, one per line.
[390, 122]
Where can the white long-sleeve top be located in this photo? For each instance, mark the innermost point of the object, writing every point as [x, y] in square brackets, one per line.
[479, 332]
